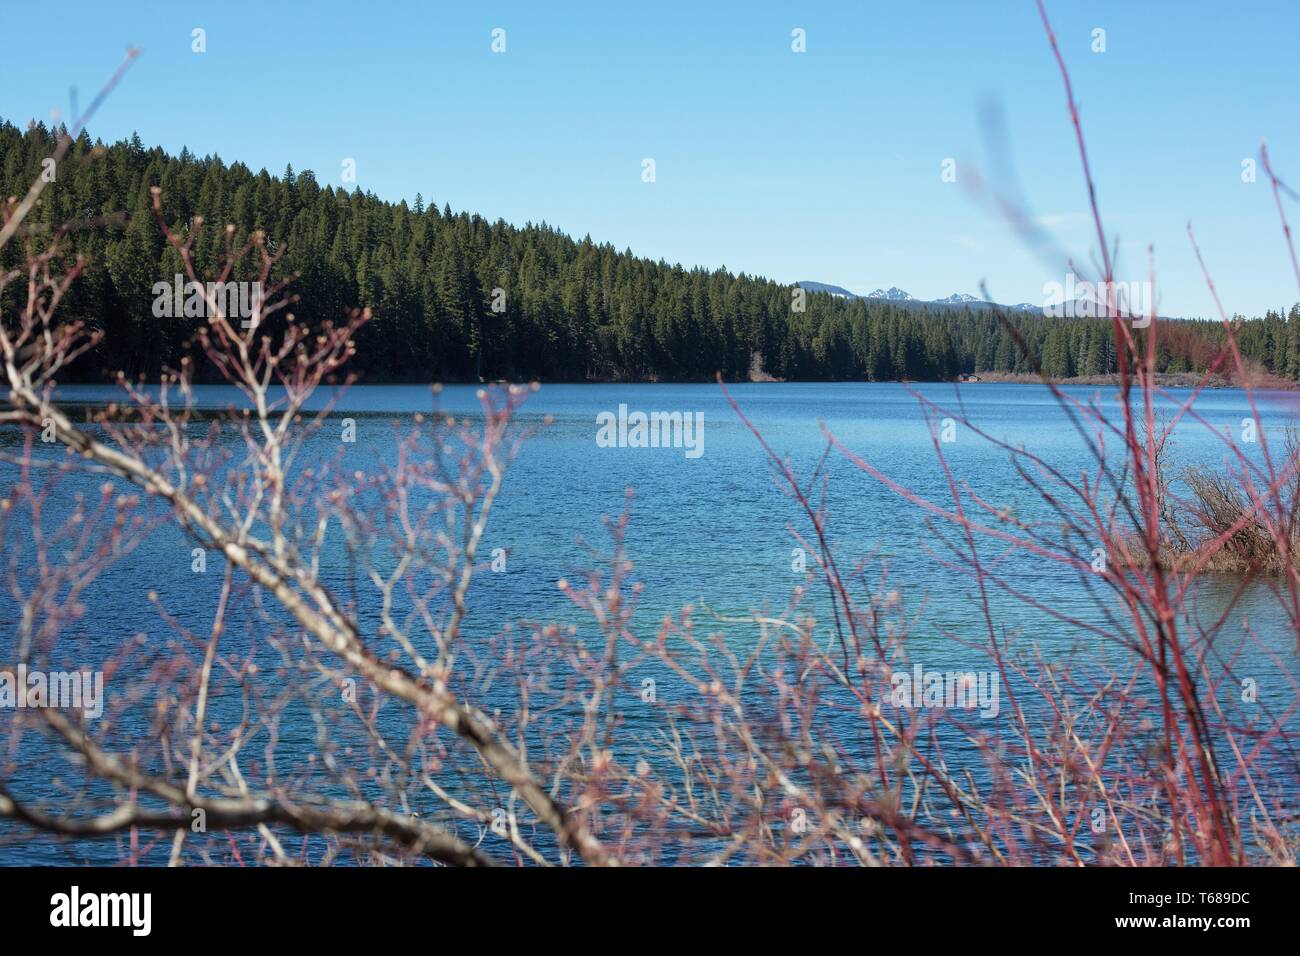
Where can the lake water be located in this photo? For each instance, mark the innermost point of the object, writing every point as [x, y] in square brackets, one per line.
[714, 531]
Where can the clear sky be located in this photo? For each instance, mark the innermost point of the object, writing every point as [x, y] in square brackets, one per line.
[822, 165]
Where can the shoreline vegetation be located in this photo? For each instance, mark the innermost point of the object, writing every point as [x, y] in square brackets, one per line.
[1161, 381]
[1218, 521]
[1262, 382]
[455, 297]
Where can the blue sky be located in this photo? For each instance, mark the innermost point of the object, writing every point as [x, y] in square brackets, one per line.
[823, 165]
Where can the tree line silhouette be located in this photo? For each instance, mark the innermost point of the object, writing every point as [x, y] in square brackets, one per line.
[456, 297]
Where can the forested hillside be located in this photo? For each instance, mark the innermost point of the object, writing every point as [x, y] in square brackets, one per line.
[573, 309]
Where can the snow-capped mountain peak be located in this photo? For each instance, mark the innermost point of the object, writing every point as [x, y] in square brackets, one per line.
[958, 300]
[893, 294]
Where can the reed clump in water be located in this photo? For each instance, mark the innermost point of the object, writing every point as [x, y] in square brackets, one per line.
[1229, 521]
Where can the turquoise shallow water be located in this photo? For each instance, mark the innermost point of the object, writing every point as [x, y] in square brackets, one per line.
[715, 530]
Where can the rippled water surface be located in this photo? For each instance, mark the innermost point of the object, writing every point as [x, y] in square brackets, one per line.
[714, 531]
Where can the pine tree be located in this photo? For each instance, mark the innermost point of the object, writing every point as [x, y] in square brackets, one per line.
[574, 308]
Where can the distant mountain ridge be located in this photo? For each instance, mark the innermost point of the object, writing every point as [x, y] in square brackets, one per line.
[575, 310]
[895, 294]
[835, 290]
